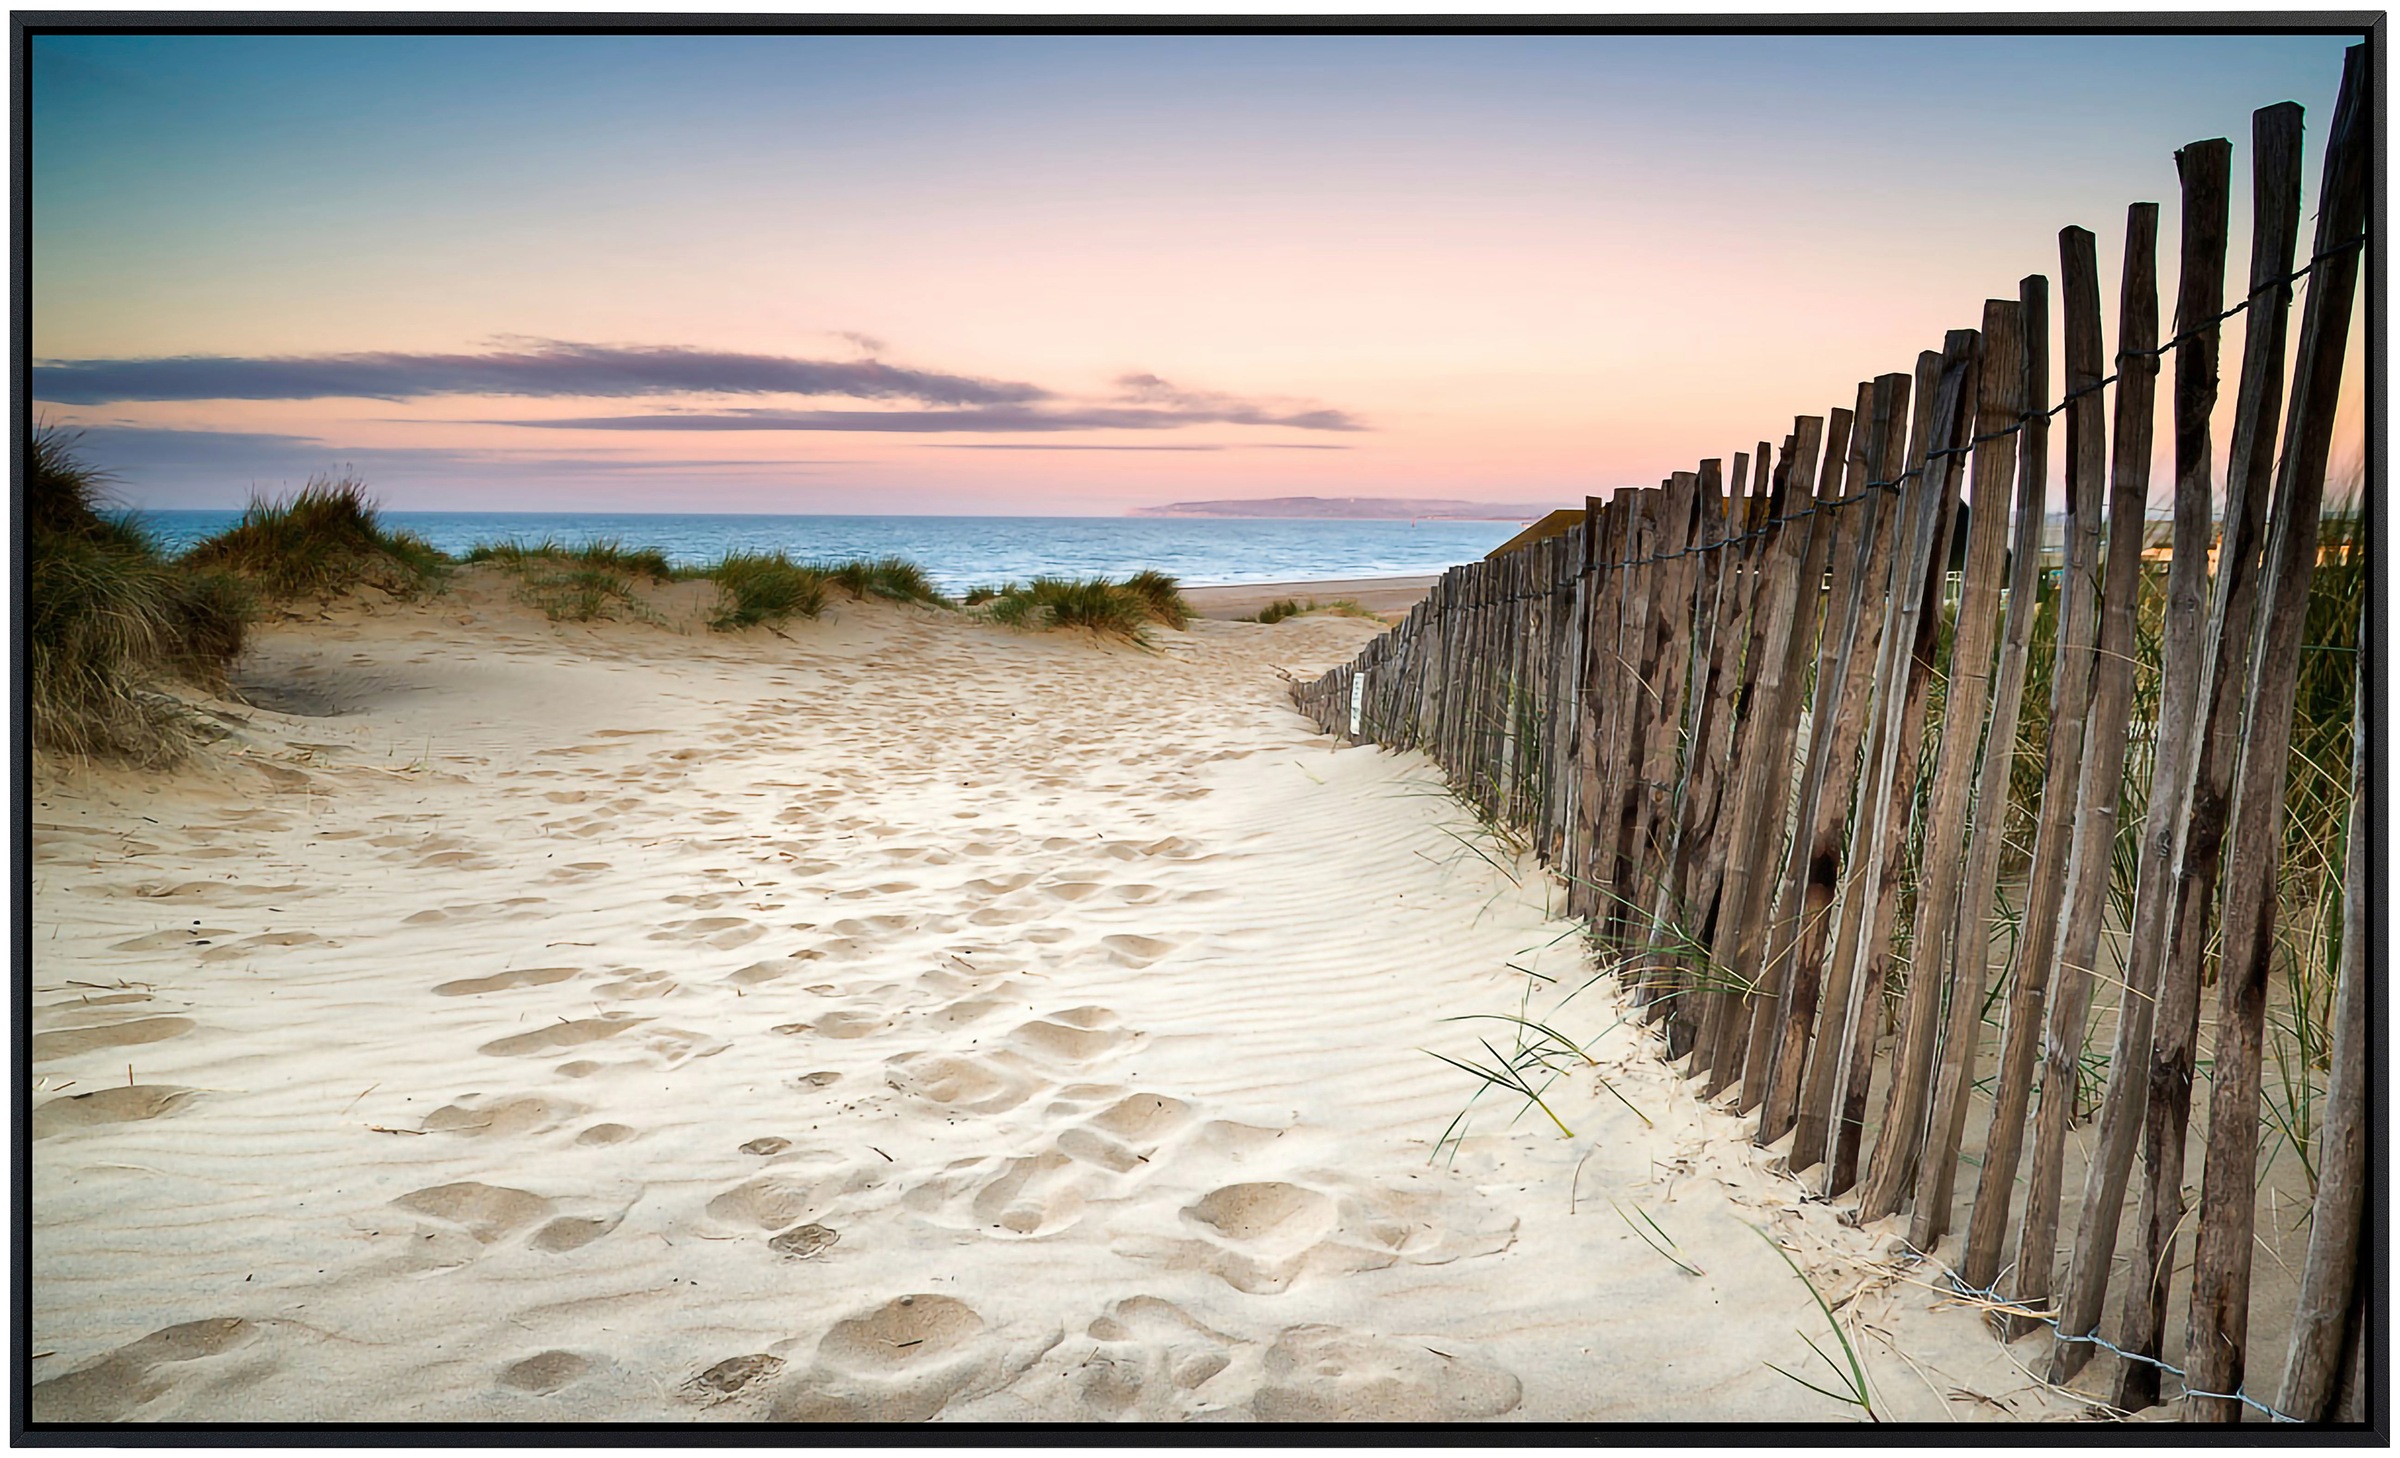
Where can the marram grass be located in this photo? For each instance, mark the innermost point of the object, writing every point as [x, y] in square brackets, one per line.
[1093, 604]
[108, 616]
[325, 540]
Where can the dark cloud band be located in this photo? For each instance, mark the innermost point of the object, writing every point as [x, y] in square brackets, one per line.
[1008, 420]
[543, 369]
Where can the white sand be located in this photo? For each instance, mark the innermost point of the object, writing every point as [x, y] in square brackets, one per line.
[904, 1018]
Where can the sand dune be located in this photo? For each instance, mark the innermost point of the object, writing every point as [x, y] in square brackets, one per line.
[897, 1019]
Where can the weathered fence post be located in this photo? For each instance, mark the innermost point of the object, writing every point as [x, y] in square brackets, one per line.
[1831, 1051]
[1733, 860]
[1754, 953]
[2065, 952]
[2217, 1338]
[1970, 947]
[1908, 656]
[1999, 414]
[2326, 1320]
[1662, 701]
[1838, 722]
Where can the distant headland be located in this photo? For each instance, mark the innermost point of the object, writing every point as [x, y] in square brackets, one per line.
[1354, 507]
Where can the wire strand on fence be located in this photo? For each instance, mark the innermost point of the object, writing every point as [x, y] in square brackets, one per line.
[2159, 351]
[1992, 1298]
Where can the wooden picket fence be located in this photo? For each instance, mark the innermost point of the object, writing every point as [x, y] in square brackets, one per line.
[1766, 734]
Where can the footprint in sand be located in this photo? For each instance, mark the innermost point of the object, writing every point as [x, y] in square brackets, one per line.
[1262, 1229]
[1127, 950]
[248, 945]
[1317, 1373]
[565, 1033]
[942, 982]
[970, 1083]
[1126, 1133]
[117, 1386]
[1260, 1236]
[847, 1024]
[573, 1232]
[804, 1242]
[905, 1361]
[961, 1013]
[159, 941]
[637, 987]
[759, 973]
[1034, 1195]
[545, 1372]
[500, 981]
[130, 1033]
[806, 1188]
[1151, 1355]
[488, 1213]
[70, 1010]
[731, 1378]
[874, 926]
[472, 1115]
[722, 932]
[674, 1047]
[108, 1106]
[1078, 1035]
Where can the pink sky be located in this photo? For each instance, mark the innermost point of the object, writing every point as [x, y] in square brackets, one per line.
[1507, 269]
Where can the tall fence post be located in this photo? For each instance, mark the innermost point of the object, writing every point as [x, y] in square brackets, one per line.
[1999, 413]
[1838, 722]
[2217, 1337]
[1908, 655]
[2088, 836]
[1970, 943]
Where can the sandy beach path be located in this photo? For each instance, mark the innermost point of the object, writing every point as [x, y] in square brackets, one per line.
[897, 1019]
[1386, 595]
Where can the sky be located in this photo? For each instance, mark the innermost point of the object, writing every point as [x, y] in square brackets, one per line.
[1060, 275]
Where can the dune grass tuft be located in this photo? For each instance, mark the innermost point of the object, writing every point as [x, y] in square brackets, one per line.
[572, 593]
[606, 555]
[578, 584]
[1092, 603]
[325, 540]
[894, 579]
[108, 614]
[1285, 607]
[1163, 595]
[761, 589]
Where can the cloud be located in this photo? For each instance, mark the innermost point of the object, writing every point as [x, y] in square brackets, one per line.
[999, 419]
[1022, 446]
[135, 453]
[538, 368]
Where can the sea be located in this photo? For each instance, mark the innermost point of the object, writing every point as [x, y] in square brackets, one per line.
[959, 552]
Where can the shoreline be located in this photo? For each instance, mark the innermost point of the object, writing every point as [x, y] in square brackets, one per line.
[1389, 596]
